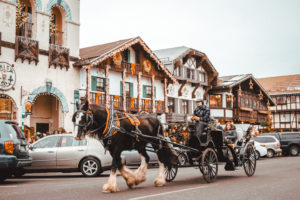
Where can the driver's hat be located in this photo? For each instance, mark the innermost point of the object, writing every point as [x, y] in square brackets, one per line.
[199, 100]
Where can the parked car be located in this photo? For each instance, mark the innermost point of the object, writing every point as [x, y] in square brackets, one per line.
[63, 153]
[133, 158]
[289, 142]
[260, 151]
[14, 152]
[271, 143]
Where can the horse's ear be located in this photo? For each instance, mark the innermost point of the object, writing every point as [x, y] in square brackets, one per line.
[77, 105]
[85, 107]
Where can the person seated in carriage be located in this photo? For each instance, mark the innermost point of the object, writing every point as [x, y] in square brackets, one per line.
[202, 117]
[230, 133]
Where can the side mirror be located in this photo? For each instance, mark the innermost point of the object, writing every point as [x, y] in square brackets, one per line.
[31, 147]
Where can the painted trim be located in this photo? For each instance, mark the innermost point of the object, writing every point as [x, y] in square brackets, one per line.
[61, 3]
[38, 4]
[54, 91]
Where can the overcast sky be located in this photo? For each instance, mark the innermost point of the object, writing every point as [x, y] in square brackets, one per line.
[261, 37]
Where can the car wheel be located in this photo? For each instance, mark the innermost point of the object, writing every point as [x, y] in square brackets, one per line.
[294, 150]
[90, 167]
[19, 173]
[270, 153]
[257, 155]
[4, 175]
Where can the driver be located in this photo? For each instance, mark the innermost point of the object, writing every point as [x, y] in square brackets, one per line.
[202, 116]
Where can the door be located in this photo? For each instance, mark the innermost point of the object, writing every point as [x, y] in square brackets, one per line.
[44, 153]
[70, 152]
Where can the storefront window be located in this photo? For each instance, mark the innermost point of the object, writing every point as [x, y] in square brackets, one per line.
[7, 108]
[215, 100]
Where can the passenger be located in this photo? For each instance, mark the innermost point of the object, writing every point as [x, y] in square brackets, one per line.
[230, 132]
[202, 116]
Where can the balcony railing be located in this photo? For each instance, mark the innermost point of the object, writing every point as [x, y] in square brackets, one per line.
[131, 104]
[116, 101]
[147, 105]
[97, 98]
[131, 68]
[25, 29]
[160, 106]
[27, 49]
[56, 38]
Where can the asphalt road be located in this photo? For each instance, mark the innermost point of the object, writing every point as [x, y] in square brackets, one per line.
[276, 178]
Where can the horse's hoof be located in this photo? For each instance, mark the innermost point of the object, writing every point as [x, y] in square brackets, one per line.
[159, 182]
[139, 181]
[130, 184]
[107, 188]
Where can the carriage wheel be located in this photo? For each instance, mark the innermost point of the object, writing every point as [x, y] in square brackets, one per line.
[171, 172]
[209, 165]
[249, 160]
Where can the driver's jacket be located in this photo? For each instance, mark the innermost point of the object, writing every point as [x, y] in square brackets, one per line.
[203, 112]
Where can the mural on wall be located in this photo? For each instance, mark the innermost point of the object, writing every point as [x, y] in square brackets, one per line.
[7, 17]
[185, 92]
[7, 76]
[199, 94]
[171, 90]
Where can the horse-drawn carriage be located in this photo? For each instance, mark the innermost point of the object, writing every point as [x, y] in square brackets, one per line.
[121, 131]
[214, 149]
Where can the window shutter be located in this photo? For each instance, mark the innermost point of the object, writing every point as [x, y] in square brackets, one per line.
[155, 92]
[144, 91]
[131, 89]
[121, 89]
[128, 56]
[94, 83]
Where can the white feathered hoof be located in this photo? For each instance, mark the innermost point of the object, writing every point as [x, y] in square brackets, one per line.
[158, 182]
[110, 188]
[140, 176]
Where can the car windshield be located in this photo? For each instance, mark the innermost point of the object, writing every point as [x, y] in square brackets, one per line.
[10, 130]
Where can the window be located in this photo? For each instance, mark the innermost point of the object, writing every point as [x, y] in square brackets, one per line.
[177, 71]
[69, 141]
[285, 117]
[202, 77]
[98, 84]
[147, 91]
[7, 108]
[48, 142]
[185, 106]
[190, 73]
[265, 139]
[171, 105]
[24, 18]
[293, 99]
[281, 100]
[228, 101]
[56, 27]
[215, 100]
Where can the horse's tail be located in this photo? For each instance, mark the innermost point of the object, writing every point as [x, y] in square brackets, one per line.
[166, 152]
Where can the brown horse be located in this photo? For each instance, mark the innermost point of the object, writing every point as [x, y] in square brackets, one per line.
[120, 132]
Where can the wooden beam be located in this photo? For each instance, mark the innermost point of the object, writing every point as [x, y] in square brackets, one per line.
[197, 85]
[88, 82]
[124, 88]
[153, 94]
[107, 98]
[165, 95]
[183, 82]
[139, 88]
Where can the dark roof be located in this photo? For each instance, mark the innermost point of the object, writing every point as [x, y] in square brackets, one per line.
[234, 80]
[281, 84]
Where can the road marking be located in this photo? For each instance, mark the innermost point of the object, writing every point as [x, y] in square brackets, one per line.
[165, 193]
[8, 186]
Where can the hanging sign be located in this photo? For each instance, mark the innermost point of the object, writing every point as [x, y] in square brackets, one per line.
[28, 108]
[7, 76]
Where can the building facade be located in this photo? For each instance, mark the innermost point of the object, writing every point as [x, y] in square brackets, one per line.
[195, 75]
[125, 74]
[239, 99]
[285, 92]
[39, 42]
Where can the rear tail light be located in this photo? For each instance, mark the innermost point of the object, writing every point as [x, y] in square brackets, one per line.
[278, 144]
[9, 147]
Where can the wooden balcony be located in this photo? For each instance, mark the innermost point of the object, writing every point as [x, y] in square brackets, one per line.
[147, 105]
[160, 106]
[131, 104]
[59, 56]
[116, 101]
[97, 98]
[27, 49]
[131, 68]
[56, 38]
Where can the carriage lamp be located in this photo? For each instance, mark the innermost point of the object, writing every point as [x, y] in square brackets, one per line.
[9, 147]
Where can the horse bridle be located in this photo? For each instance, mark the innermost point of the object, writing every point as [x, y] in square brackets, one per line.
[89, 120]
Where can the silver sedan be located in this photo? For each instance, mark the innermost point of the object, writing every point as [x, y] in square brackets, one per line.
[64, 153]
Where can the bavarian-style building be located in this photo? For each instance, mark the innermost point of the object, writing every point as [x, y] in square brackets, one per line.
[195, 75]
[39, 42]
[125, 74]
